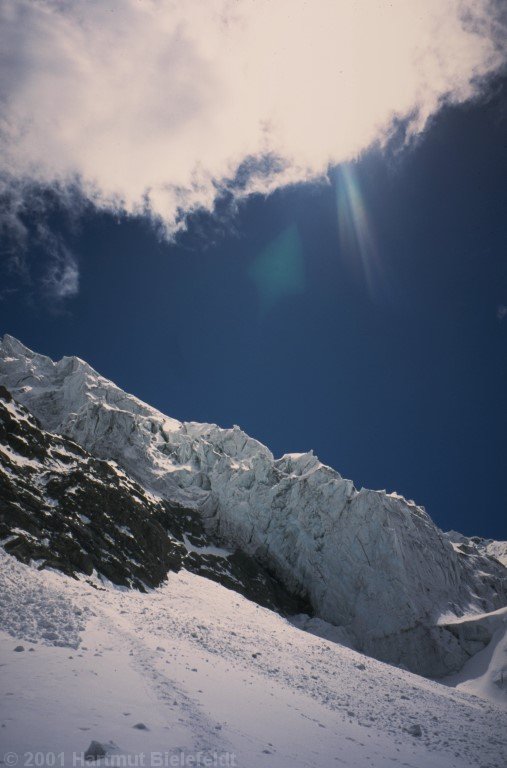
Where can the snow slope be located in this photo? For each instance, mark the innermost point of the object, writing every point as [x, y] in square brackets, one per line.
[485, 674]
[490, 547]
[370, 562]
[206, 671]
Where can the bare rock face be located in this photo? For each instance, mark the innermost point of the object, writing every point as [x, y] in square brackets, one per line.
[60, 507]
[370, 562]
[65, 509]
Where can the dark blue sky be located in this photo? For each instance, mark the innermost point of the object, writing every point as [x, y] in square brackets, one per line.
[373, 336]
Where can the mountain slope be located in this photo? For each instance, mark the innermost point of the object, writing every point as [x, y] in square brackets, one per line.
[467, 544]
[485, 674]
[210, 675]
[369, 562]
[65, 509]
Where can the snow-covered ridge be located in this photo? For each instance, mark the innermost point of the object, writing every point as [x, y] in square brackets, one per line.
[490, 547]
[370, 562]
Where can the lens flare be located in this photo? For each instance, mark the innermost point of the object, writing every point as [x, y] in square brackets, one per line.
[357, 240]
[278, 271]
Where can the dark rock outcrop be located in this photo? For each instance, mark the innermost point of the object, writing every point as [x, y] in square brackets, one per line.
[63, 508]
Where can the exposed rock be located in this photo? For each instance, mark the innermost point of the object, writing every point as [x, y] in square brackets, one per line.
[62, 508]
[370, 562]
[95, 751]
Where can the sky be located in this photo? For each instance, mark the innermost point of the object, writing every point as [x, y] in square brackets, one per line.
[286, 216]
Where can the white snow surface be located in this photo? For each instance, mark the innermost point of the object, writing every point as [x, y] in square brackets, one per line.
[370, 562]
[497, 549]
[485, 674]
[212, 676]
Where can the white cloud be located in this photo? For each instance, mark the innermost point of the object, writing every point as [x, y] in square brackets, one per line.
[26, 210]
[155, 104]
[61, 277]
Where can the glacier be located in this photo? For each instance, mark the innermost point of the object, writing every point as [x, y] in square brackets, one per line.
[370, 562]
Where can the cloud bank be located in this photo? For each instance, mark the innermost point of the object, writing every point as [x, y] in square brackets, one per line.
[158, 106]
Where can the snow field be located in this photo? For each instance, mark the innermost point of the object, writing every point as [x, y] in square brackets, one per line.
[206, 671]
